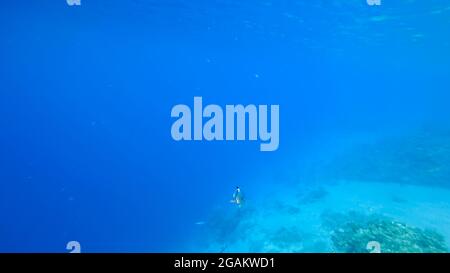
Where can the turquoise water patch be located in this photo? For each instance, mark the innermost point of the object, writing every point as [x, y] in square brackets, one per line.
[338, 217]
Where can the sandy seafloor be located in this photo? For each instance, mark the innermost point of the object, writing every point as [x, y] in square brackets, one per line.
[336, 217]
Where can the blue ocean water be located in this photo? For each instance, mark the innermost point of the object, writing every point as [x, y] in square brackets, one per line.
[86, 93]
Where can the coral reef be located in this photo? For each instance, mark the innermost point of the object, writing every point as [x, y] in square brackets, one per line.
[351, 232]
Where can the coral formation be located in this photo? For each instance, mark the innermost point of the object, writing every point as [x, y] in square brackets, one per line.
[351, 232]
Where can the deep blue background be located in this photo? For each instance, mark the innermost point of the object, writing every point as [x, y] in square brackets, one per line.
[86, 93]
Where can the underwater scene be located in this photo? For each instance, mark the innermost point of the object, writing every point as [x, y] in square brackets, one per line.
[225, 126]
